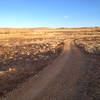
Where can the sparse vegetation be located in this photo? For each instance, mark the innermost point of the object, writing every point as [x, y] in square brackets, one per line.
[89, 45]
[91, 85]
[21, 58]
[24, 52]
[17, 63]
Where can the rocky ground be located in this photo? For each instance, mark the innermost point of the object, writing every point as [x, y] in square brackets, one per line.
[90, 87]
[18, 62]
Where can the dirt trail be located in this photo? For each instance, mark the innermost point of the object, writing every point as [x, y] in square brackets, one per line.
[57, 81]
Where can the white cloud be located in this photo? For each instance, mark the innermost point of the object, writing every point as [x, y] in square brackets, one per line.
[66, 17]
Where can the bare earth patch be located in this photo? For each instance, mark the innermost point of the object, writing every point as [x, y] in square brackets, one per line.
[90, 84]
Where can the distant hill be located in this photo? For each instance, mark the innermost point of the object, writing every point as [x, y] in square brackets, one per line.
[25, 30]
[44, 28]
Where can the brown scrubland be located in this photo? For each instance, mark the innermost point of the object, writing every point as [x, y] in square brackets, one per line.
[25, 52]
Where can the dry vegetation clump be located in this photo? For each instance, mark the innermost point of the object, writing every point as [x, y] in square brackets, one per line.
[89, 45]
[18, 62]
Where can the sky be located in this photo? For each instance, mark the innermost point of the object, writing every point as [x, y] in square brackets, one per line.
[49, 13]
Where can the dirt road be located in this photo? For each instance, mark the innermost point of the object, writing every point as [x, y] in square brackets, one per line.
[58, 81]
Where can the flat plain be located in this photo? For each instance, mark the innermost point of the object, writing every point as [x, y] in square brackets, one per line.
[26, 52]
